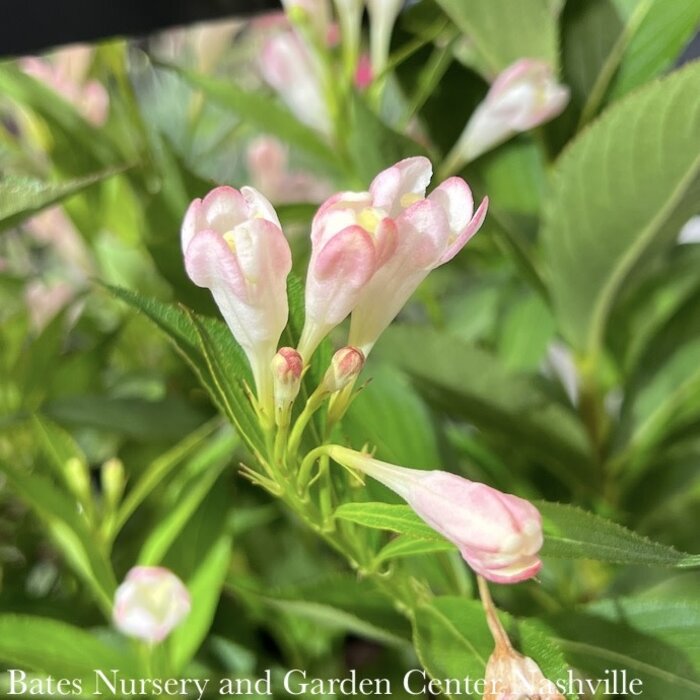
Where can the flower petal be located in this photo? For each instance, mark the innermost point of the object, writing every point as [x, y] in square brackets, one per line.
[410, 176]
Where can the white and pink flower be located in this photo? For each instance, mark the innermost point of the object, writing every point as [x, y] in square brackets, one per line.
[150, 603]
[498, 534]
[523, 96]
[371, 250]
[234, 246]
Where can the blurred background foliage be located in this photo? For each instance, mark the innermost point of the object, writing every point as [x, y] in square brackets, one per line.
[557, 357]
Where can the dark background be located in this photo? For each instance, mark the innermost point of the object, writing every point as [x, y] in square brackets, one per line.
[34, 25]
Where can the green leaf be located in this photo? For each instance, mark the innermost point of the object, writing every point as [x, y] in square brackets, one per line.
[136, 418]
[469, 382]
[158, 471]
[664, 392]
[407, 546]
[666, 28]
[262, 112]
[205, 587]
[674, 622]
[22, 197]
[453, 642]
[596, 234]
[596, 645]
[69, 531]
[209, 348]
[386, 516]
[55, 648]
[572, 533]
[208, 465]
[341, 603]
[504, 31]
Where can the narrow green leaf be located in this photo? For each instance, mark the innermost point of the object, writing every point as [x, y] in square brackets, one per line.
[408, 546]
[385, 516]
[572, 533]
[205, 587]
[22, 197]
[55, 648]
[648, 145]
[69, 531]
[209, 348]
[209, 463]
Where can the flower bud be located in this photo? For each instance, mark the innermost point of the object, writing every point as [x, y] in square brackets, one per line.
[112, 480]
[523, 96]
[498, 534]
[287, 367]
[150, 603]
[78, 477]
[346, 365]
[511, 676]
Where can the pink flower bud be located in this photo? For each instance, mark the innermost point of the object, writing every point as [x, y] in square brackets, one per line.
[287, 367]
[511, 676]
[234, 246]
[291, 70]
[498, 534]
[150, 603]
[522, 97]
[346, 365]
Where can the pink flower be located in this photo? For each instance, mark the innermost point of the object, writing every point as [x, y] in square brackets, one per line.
[269, 171]
[431, 231]
[291, 70]
[522, 97]
[498, 534]
[234, 246]
[150, 603]
[370, 250]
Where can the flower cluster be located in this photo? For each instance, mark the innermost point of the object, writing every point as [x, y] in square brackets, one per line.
[369, 252]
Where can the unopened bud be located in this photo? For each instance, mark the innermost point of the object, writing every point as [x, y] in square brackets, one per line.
[78, 478]
[112, 480]
[287, 368]
[512, 675]
[345, 366]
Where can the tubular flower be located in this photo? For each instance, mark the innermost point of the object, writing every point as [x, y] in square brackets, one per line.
[498, 534]
[350, 239]
[150, 603]
[234, 246]
[431, 231]
[289, 68]
[523, 96]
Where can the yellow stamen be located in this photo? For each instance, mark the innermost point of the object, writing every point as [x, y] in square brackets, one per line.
[408, 199]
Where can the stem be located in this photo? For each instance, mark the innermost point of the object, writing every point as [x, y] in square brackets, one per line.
[499, 634]
[312, 405]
